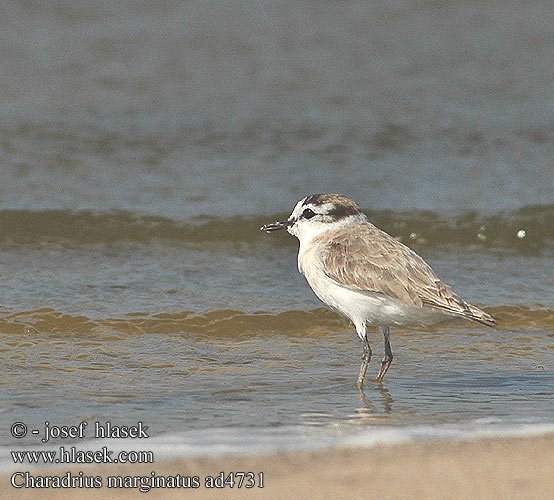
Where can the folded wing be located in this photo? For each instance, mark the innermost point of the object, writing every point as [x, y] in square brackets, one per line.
[370, 260]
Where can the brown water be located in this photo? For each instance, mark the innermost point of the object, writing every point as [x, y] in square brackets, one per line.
[143, 144]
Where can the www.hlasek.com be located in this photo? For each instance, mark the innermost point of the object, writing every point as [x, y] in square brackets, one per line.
[73, 455]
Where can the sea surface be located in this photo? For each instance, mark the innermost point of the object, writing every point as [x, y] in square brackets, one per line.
[143, 144]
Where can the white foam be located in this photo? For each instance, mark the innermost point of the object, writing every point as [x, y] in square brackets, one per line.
[447, 432]
[247, 441]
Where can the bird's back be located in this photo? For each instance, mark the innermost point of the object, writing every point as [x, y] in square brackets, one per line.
[362, 258]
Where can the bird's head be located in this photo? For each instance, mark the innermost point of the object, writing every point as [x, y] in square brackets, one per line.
[317, 214]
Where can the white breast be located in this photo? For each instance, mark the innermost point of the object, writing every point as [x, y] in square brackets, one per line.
[361, 307]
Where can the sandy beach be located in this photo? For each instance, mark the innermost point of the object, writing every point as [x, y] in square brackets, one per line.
[481, 469]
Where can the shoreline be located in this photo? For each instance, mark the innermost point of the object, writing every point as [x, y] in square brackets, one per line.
[486, 468]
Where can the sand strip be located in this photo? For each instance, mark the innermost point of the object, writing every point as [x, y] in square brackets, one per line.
[514, 468]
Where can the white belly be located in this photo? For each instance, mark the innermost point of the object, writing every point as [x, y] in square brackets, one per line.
[364, 307]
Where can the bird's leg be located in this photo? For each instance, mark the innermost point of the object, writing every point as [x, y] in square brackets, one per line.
[387, 358]
[366, 358]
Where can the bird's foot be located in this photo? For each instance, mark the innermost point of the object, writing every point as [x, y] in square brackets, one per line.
[385, 363]
[361, 377]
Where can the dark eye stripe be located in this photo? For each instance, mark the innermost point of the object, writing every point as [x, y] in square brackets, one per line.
[342, 211]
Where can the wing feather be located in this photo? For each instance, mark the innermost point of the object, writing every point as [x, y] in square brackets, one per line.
[370, 260]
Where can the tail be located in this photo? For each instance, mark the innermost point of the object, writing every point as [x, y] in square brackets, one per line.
[476, 314]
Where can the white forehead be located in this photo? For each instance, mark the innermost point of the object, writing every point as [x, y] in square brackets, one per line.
[298, 208]
[320, 208]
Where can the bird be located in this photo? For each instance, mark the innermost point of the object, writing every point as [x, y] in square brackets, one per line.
[368, 276]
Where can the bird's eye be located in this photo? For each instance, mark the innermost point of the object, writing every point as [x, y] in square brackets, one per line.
[308, 213]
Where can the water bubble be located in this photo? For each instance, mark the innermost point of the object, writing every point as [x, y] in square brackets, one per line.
[521, 234]
[481, 233]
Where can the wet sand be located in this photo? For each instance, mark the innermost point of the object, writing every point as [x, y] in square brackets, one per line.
[484, 469]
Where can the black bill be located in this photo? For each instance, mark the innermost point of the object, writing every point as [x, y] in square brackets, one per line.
[276, 226]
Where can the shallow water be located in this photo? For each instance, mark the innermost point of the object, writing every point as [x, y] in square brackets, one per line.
[253, 350]
[143, 145]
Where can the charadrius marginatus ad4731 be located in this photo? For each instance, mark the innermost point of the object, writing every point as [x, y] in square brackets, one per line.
[367, 275]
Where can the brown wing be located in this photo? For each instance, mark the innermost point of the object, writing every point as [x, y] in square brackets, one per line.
[370, 260]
